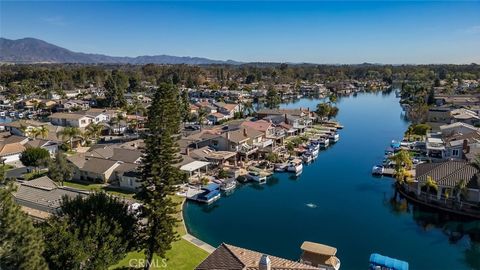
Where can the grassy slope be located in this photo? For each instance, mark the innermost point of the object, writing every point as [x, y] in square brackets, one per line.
[182, 256]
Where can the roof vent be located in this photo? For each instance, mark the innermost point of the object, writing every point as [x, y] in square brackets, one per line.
[265, 263]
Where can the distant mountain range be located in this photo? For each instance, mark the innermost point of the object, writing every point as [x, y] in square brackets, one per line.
[31, 50]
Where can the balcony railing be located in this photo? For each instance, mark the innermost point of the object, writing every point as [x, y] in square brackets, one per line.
[264, 143]
[247, 149]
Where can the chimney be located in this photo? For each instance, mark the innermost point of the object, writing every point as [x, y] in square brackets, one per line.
[228, 135]
[187, 151]
[264, 263]
[286, 120]
[245, 132]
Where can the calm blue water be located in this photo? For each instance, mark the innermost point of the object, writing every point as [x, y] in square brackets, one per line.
[352, 210]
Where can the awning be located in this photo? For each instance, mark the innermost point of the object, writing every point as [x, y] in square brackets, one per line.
[384, 261]
[193, 166]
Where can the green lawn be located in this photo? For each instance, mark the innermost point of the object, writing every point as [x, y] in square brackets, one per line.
[98, 187]
[182, 256]
[7, 167]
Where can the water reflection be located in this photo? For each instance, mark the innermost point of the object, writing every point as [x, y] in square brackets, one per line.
[457, 229]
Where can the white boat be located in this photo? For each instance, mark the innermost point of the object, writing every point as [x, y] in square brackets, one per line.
[228, 184]
[257, 177]
[30, 116]
[314, 153]
[280, 167]
[12, 114]
[295, 166]
[324, 143]
[378, 170]
[2, 114]
[307, 157]
[20, 115]
[334, 137]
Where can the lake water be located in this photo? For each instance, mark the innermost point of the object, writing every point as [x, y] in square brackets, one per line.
[337, 202]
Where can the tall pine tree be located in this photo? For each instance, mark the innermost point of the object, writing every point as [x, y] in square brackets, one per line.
[21, 244]
[159, 174]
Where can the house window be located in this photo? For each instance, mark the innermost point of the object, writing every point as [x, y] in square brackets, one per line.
[455, 152]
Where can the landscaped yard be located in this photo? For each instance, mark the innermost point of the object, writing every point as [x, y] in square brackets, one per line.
[182, 256]
[98, 187]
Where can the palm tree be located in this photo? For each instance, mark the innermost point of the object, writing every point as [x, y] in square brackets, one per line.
[68, 134]
[35, 133]
[23, 129]
[202, 116]
[94, 130]
[461, 190]
[430, 184]
[43, 131]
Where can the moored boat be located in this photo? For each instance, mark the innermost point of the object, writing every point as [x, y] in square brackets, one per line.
[295, 166]
[378, 170]
[210, 193]
[228, 184]
[324, 142]
[307, 157]
[334, 137]
[2, 114]
[378, 261]
[257, 177]
[280, 167]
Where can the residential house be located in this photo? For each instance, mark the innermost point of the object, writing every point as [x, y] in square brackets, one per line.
[50, 146]
[42, 197]
[448, 176]
[87, 168]
[244, 141]
[11, 147]
[236, 258]
[71, 119]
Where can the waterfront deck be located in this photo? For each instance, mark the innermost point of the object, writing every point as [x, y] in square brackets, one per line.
[448, 206]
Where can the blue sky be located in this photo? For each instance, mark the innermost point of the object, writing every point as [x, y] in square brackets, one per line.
[316, 32]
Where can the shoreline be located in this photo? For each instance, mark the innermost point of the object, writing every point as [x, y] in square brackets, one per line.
[190, 238]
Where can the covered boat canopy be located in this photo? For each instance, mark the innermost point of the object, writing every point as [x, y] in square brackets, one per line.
[211, 187]
[193, 166]
[390, 263]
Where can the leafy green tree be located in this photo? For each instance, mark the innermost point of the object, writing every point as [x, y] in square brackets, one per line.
[34, 156]
[272, 100]
[323, 110]
[332, 112]
[89, 233]
[21, 244]
[115, 89]
[159, 175]
[59, 169]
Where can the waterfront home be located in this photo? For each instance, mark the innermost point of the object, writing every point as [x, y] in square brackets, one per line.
[454, 179]
[71, 119]
[272, 135]
[236, 258]
[41, 197]
[25, 127]
[243, 141]
[211, 155]
[464, 116]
